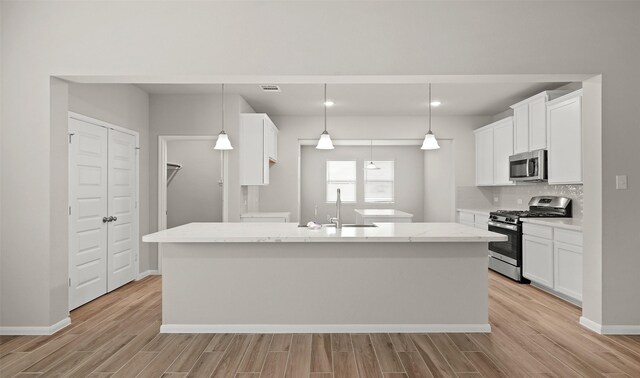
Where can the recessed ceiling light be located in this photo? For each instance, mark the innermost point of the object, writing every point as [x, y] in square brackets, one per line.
[329, 103]
[436, 103]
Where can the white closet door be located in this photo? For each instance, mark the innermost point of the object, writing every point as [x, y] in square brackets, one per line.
[122, 249]
[88, 158]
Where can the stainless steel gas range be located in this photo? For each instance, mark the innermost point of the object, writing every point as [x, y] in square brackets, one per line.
[506, 257]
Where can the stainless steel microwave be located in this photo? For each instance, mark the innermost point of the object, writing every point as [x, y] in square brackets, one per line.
[528, 166]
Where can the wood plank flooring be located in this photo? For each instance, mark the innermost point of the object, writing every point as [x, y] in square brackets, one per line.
[534, 335]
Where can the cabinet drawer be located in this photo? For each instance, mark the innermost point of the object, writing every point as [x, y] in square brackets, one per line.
[568, 236]
[466, 217]
[537, 230]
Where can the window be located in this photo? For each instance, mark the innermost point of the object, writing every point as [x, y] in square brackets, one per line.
[342, 175]
[378, 183]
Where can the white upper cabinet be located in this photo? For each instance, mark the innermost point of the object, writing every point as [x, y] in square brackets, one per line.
[564, 123]
[530, 122]
[538, 123]
[502, 149]
[494, 145]
[484, 157]
[521, 128]
[258, 148]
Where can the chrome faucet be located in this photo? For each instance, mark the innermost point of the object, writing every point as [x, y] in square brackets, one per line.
[337, 220]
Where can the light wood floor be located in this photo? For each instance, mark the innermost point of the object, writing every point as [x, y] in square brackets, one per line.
[534, 334]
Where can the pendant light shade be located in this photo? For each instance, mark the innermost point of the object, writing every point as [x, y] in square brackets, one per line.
[430, 142]
[223, 143]
[325, 143]
[372, 165]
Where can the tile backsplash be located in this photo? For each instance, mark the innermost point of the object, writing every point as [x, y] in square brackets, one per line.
[516, 197]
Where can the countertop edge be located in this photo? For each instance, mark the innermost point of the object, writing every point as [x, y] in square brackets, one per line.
[328, 240]
[553, 223]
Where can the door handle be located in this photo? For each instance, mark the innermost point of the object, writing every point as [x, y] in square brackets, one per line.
[113, 219]
[105, 219]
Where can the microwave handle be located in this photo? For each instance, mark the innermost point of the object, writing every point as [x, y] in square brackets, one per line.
[527, 170]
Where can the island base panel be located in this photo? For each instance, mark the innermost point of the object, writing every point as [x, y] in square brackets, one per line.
[324, 287]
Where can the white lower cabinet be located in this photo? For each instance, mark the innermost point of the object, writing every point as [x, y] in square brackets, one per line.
[552, 257]
[537, 260]
[568, 269]
[473, 219]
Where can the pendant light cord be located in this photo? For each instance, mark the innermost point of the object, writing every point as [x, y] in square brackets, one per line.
[325, 108]
[372, 150]
[223, 107]
[429, 107]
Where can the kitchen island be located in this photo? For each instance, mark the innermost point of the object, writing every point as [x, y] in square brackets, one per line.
[278, 277]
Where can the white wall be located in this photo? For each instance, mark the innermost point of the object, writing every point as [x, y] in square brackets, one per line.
[440, 179]
[126, 106]
[193, 195]
[189, 114]
[282, 192]
[408, 180]
[40, 39]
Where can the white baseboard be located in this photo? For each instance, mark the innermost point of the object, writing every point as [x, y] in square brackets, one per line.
[325, 328]
[610, 329]
[146, 273]
[590, 324]
[50, 330]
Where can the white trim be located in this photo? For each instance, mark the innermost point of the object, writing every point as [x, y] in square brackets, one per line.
[590, 324]
[321, 79]
[610, 329]
[366, 142]
[150, 272]
[325, 328]
[50, 330]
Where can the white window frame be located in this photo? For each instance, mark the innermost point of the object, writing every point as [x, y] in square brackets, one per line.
[393, 181]
[355, 181]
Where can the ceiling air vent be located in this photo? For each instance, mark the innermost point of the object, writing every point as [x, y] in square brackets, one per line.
[270, 88]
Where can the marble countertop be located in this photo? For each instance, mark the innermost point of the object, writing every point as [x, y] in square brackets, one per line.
[291, 233]
[383, 213]
[565, 223]
[261, 214]
[478, 211]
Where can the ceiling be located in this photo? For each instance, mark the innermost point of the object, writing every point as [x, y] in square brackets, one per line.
[371, 99]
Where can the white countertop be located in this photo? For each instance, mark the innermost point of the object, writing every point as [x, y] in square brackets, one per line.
[261, 214]
[383, 213]
[565, 223]
[478, 211]
[291, 233]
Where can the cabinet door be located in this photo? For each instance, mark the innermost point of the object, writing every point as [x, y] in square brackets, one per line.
[568, 269]
[538, 124]
[252, 152]
[274, 142]
[502, 149]
[537, 260]
[484, 157]
[521, 129]
[564, 121]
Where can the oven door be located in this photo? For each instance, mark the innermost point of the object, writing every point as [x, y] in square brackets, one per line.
[509, 251]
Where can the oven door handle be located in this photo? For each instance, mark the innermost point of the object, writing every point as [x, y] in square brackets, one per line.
[502, 225]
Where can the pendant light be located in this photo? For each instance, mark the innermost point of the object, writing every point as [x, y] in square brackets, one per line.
[325, 143]
[430, 142]
[371, 165]
[223, 142]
